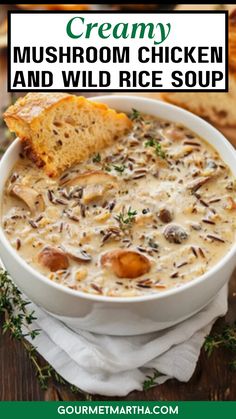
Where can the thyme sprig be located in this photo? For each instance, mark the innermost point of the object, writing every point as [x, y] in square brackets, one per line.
[225, 339]
[17, 321]
[119, 168]
[14, 309]
[96, 158]
[151, 380]
[136, 115]
[152, 142]
[126, 218]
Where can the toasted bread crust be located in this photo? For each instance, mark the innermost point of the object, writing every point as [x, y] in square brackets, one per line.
[31, 153]
[31, 106]
[232, 40]
[54, 6]
[59, 130]
[218, 108]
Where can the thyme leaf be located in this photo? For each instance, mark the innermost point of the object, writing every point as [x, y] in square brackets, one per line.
[119, 168]
[17, 321]
[135, 115]
[97, 158]
[225, 339]
[152, 142]
[151, 380]
[126, 218]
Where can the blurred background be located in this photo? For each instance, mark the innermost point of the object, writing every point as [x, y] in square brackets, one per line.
[7, 98]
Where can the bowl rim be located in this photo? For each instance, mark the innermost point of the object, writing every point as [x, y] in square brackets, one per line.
[135, 299]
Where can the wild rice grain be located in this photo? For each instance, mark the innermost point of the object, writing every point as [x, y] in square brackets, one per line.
[97, 288]
[215, 238]
[50, 195]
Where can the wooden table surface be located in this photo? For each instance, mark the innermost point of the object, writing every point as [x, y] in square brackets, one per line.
[212, 379]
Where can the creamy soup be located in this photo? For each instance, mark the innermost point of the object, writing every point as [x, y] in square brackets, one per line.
[152, 212]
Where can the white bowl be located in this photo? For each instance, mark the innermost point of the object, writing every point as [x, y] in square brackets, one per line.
[117, 315]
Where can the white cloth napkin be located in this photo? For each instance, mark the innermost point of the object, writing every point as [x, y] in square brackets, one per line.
[114, 365]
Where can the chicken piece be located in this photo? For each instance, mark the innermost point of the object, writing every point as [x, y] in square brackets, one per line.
[126, 263]
[53, 259]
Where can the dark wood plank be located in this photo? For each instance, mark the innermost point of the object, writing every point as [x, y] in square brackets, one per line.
[16, 372]
[212, 380]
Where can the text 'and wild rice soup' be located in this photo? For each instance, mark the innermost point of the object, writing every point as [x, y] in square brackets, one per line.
[154, 211]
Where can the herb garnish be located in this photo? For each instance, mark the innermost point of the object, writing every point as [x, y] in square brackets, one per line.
[17, 320]
[119, 168]
[152, 142]
[97, 158]
[126, 218]
[151, 380]
[225, 339]
[135, 115]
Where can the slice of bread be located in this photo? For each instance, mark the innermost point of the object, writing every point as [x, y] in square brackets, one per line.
[66, 6]
[218, 108]
[59, 130]
[198, 6]
[54, 6]
[232, 41]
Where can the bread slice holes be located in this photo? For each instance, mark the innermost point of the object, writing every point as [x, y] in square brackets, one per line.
[57, 124]
[70, 121]
[59, 144]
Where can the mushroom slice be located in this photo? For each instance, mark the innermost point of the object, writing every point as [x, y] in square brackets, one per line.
[93, 193]
[53, 259]
[126, 263]
[30, 197]
[76, 254]
[91, 177]
[175, 233]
